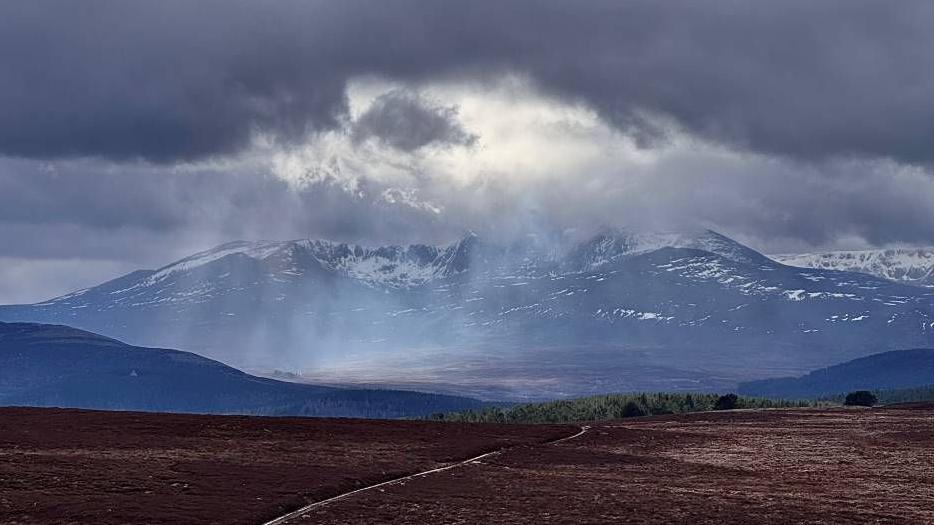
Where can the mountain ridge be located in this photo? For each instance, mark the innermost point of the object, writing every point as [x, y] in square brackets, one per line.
[914, 266]
[696, 308]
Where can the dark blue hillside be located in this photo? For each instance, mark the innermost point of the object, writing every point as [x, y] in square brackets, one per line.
[54, 365]
[898, 369]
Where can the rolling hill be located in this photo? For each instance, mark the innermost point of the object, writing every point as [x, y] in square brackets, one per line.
[896, 370]
[50, 365]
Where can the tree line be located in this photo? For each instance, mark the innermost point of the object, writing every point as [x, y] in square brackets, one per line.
[615, 406]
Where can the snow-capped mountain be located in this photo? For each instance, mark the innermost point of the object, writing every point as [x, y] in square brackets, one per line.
[611, 244]
[619, 311]
[913, 266]
[391, 266]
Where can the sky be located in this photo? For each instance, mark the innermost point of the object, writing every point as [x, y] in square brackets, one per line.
[135, 133]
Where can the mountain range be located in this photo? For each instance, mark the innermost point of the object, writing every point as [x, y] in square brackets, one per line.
[620, 311]
[913, 266]
[50, 365]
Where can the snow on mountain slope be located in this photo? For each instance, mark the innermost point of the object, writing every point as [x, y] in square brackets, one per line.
[394, 266]
[611, 244]
[913, 266]
[254, 250]
[693, 298]
[418, 264]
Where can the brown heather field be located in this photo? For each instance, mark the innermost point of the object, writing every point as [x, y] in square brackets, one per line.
[74, 466]
[763, 466]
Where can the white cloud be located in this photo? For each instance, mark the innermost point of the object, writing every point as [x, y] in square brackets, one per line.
[543, 163]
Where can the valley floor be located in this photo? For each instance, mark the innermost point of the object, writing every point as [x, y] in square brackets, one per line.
[764, 466]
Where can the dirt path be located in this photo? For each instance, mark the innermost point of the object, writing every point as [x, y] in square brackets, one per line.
[297, 514]
[731, 467]
[109, 468]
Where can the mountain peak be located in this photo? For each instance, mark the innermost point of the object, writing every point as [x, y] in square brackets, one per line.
[252, 249]
[611, 243]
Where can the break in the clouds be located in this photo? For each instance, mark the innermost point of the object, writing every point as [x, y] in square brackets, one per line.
[135, 133]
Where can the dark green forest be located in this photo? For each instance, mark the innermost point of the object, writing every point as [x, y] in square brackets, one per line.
[889, 397]
[612, 406]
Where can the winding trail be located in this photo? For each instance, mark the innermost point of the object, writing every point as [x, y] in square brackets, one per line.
[311, 506]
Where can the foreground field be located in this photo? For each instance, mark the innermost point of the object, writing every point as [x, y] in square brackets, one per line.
[756, 466]
[70, 466]
[766, 466]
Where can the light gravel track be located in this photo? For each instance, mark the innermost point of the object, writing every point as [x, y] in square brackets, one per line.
[312, 506]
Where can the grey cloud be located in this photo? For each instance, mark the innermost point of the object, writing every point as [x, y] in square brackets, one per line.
[150, 215]
[88, 222]
[786, 206]
[774, 206]
[407, 121]
[106, 197]
[25, 281]
[177, 80]
[124, 217]
[817, 91]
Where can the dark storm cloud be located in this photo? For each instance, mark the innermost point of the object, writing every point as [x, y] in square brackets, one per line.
[407, 121]
[127, 128]
[174, 80]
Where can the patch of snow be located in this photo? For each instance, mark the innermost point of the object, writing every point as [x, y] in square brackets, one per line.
[905, 265]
